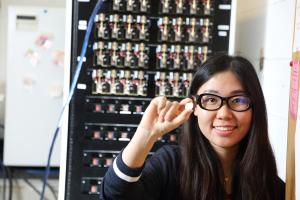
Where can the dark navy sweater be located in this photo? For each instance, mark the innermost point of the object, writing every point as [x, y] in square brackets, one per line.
[158, 179]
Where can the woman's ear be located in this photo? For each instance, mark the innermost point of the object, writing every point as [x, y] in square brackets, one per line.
[195, 110]
[194, 105]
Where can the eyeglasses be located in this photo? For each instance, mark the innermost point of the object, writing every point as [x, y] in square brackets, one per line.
[212, 102]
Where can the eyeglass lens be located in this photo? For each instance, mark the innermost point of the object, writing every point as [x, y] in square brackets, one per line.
[214, 102]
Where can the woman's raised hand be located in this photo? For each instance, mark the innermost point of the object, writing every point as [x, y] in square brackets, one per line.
[162, 115]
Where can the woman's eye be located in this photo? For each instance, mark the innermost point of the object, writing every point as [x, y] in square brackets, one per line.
[240, 100]
[210, 100]
[236, 100]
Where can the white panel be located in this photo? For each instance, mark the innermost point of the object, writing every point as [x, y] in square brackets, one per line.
[279, 30]
[64, 138]
[244, 5]
[276, 74]
[250, 29]
[34, 85]
[275, 82]
[275, 79]
[278, 138]
[232, 33]
[264, 36]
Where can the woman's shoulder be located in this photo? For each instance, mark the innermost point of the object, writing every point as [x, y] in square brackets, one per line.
[166, 155]
[168, 150]
[164, 164]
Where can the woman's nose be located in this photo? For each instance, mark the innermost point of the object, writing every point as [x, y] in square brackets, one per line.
[224, 112]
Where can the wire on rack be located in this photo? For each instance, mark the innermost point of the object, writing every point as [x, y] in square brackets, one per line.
[72, 89]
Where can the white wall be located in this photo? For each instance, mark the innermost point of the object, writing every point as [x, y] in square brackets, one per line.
[251, 29]
[276, 74]
[264, 35]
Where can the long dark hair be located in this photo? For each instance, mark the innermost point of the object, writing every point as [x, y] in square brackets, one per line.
[255, 172]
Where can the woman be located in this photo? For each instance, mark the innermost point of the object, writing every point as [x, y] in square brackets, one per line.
[223, 153]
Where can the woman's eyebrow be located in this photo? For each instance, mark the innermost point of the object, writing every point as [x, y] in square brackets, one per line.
[210, 91]
[239, 91]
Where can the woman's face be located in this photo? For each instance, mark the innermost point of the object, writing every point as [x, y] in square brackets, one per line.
[224, 128]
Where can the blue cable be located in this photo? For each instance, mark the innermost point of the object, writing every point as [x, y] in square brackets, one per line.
[72, 89]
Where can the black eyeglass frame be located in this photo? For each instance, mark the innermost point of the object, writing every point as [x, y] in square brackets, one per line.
[198, 101]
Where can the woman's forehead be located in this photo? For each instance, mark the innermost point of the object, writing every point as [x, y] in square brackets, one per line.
[223, 82]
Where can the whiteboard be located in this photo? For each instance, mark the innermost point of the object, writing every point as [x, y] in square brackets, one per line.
[34, 84]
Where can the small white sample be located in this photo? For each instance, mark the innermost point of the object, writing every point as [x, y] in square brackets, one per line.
[189, 106]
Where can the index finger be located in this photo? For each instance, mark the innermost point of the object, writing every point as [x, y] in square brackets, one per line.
[184, 103]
